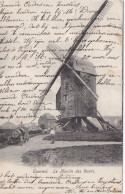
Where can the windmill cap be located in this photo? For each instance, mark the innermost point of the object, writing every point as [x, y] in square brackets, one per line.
[79, 64]
[83, 65]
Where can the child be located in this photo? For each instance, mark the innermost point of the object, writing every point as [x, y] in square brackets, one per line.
[52, 133]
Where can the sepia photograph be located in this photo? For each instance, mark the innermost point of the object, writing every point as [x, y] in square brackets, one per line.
[61, 103]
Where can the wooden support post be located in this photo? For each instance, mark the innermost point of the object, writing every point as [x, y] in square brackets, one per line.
[101, 124]
[103, 121]
[90, 125]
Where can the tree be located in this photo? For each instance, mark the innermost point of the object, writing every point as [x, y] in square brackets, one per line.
[42, 126]
[61, 121]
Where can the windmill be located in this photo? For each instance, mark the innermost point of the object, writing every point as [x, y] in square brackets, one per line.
[77, 98]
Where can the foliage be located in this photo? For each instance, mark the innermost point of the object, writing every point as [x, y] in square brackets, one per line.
[61, 121]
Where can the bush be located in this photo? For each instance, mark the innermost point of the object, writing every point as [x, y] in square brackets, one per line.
[35, 132]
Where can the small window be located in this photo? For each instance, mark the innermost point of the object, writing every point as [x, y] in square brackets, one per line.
[65, 97]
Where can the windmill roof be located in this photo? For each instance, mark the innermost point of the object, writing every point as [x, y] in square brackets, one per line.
[79, 64]
[83, 65]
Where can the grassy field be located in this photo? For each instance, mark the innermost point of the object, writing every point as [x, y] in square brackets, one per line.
[76, 156]
[88, 136]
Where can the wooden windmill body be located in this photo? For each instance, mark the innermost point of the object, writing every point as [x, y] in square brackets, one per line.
[73, 99]
[77, 98]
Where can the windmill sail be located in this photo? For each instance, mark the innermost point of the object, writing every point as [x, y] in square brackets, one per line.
[57, 51]
[106, 4]
[101, 15]
[72, 50]
[46, 91]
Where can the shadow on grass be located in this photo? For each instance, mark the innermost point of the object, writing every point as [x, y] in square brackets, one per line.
[76, 156]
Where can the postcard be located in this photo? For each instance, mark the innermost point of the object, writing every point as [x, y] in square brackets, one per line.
[61, 77]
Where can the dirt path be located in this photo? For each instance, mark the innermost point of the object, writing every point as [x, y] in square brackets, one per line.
[14, 153]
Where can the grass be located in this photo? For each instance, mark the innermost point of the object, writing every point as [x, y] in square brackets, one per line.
[88, 136]
[76, 156]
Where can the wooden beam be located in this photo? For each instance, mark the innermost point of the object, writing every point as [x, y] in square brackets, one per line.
[102, 120]
[77, 75]
[47, 90]
[78, 40]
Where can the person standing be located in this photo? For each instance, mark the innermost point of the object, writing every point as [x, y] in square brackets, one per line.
[52, 134]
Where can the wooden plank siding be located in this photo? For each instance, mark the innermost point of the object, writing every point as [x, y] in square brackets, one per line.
[67, 94]
[74, 98]
[85, 103]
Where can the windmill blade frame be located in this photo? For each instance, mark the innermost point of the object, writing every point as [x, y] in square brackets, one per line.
[47, 90]
[84, 31]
